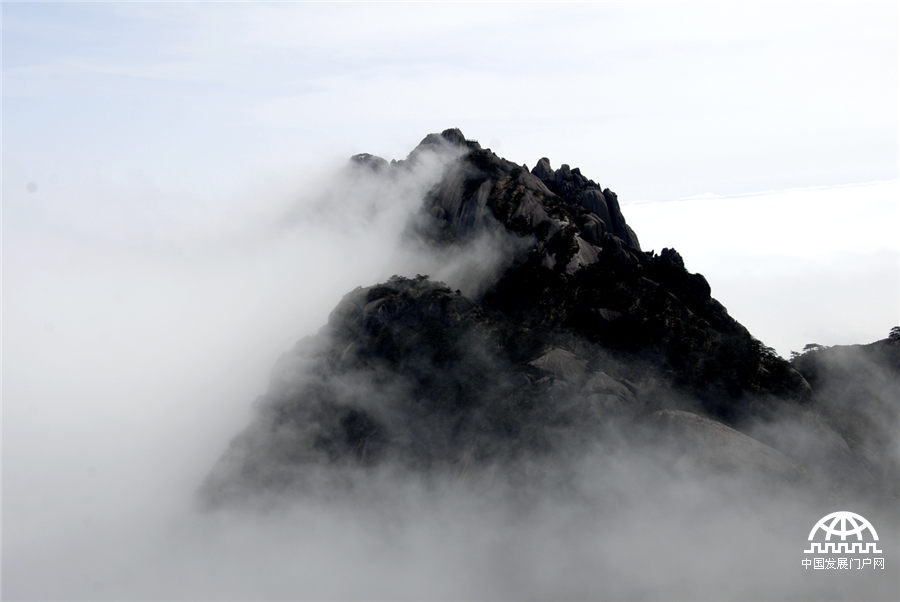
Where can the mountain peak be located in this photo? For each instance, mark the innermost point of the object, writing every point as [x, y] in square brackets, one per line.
[577, 329]
[565, 212]
[451, 137]
[454, 136]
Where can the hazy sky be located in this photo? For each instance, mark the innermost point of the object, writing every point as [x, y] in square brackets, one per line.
[175, 121]
[154, 140]
[151, 151]
[657, 100]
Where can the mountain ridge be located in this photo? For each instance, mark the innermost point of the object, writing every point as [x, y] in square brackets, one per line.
[579, 330]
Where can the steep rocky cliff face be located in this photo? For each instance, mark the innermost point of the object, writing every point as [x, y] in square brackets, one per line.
[584, 273]
[581, 332]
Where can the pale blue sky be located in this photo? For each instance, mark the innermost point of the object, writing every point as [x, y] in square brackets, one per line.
[656, 100]
[148, 125]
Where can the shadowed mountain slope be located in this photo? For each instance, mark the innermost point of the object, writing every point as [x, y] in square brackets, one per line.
[581, 333]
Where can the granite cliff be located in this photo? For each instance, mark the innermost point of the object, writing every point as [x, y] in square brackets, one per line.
[581, 333]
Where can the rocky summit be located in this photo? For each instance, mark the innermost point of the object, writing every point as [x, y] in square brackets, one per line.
[580, 333]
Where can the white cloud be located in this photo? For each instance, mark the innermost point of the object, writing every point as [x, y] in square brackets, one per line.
[794, 266]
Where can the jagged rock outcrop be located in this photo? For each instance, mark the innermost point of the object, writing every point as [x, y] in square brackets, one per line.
[582, 329]
[575, 189]
[585, 273]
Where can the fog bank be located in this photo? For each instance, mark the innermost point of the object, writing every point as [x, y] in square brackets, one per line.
[132, 356]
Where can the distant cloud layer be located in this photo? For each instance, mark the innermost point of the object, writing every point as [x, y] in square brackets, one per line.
[796, 266]
[659, 100]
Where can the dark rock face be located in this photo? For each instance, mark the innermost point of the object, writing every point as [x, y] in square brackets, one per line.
[412, 372]
[575, 189]
[582, 330]
[585, 273]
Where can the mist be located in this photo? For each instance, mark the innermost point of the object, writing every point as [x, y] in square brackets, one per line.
[137, 334]
[132, 356]
[178, 211]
